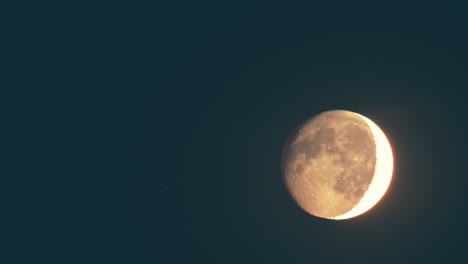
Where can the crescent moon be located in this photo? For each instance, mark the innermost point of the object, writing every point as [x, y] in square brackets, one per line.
[337, 165]
[382, 175]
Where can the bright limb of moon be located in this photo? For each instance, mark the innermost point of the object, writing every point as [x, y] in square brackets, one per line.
[382, 175]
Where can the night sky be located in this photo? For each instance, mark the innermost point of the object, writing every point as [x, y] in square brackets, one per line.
[154, 133]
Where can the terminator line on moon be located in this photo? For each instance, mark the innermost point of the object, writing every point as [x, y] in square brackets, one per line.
[337, 165]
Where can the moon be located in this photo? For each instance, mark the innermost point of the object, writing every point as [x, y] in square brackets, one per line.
[337, 165]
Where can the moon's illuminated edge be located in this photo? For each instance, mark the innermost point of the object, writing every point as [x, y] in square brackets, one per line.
[382, 175]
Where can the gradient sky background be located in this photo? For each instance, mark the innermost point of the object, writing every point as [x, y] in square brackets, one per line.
[153, 133]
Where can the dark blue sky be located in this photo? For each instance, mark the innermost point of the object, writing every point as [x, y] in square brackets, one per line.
[154, 133]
